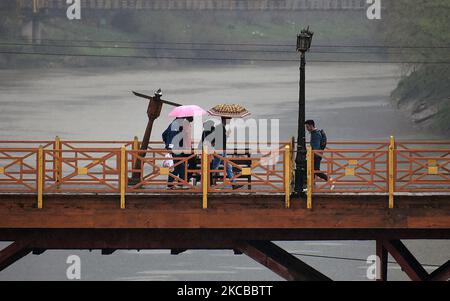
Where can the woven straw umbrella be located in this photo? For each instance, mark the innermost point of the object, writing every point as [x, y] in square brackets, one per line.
[228, 111]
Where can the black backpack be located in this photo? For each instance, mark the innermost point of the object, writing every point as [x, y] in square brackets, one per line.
[323, 140]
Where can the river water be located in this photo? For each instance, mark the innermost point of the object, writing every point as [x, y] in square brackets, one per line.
[350, 101]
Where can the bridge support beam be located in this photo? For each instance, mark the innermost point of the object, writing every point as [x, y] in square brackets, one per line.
[409, 264]
[442, 273]
[279, 261]
[382, 255]
[255, 243]
[13, 253]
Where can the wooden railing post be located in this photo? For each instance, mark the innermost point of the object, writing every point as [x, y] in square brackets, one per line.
[287, 176]
[123, 176]
[310, 176]
[135, 147]
[57, 161]
[205, 178]
[391, 171]
[40, 176]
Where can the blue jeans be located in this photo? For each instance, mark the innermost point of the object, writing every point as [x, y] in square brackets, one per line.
[179, 169]
[229, 169]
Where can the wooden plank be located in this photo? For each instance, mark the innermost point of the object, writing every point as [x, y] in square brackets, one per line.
[196, 238]
[114, 239]
[279, 261]
[238, 211]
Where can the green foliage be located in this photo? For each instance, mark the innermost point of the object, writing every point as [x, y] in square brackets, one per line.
[428, 82]
[245, 27]
[424, 24]
[417, 22]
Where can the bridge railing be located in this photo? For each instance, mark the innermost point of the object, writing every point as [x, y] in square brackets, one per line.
[60, 166]
[388, 168]
[120, 167]
[350, 171]
[422, 170]
[351, 166]
[18, 170]
[83, 170]
[156, 177]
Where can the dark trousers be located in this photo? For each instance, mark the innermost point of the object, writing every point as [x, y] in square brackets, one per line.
[179, 169]
[317, 161]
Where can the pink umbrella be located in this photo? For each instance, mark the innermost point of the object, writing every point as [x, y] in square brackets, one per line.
[187, 111]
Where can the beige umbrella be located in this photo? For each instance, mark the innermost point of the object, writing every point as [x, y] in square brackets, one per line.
[229, 111]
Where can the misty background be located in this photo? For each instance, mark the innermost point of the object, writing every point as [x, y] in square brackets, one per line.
[414, 33]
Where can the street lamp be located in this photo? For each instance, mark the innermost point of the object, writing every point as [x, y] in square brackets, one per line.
[303, 44]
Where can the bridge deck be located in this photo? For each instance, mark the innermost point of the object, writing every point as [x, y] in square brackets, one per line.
[99, 185]
[43, 168]
[224, 212]
[245, 224]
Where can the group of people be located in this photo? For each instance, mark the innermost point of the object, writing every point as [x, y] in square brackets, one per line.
[178, 140]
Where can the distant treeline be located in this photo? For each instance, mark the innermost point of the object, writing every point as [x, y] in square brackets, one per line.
[195, 4]
[190, 34]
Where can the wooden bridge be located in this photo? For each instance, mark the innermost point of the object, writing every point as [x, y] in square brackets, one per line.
[78, 195]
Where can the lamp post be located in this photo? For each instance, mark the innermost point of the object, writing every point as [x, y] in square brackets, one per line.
[303, 44]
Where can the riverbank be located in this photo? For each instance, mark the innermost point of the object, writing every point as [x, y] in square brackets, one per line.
[424, 96]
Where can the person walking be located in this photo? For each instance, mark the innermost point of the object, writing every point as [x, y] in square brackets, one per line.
[178, 139]
[318, 142]
[225, 112]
